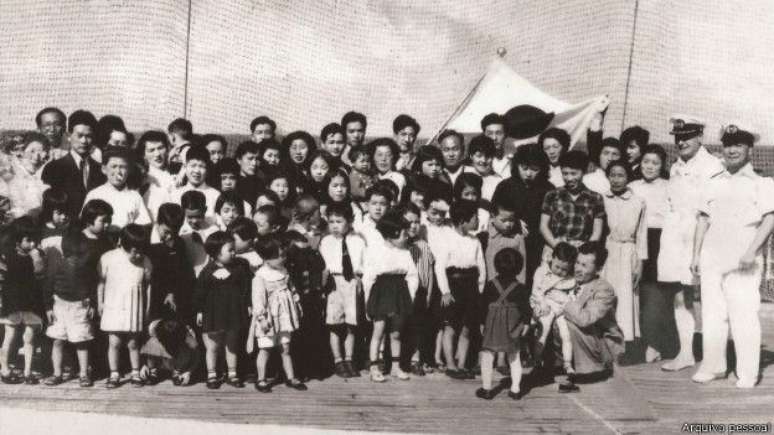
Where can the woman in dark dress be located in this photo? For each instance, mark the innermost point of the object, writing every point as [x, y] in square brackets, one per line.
[525, 190]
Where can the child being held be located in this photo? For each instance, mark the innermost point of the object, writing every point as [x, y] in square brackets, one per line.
[275, 313]
[553, 287]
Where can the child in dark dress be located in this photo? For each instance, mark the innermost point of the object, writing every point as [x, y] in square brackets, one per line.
[222, 291]
[506, 302]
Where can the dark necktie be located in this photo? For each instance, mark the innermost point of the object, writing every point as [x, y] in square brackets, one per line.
[196, 237]
[346, 262]
[84, 176]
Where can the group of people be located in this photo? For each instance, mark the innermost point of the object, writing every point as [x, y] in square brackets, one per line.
[461, 256]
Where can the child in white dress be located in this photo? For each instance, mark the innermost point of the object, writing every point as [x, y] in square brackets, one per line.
[123, 299]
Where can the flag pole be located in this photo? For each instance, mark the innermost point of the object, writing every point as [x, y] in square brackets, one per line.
[501, 52]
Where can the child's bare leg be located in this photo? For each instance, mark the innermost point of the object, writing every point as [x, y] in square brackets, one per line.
[57, 355]
[212, 343]
[501, 359]
[439, 347]
[564, 334]
[514, 360]
[5, 352]
[82, 350]
[349, 343]
[545, 322]
[395, 345]
[376, 340]
[114, 346]
[287, 362]
[448, 347]
[463, 342]
[134, 353]
[29, 348]
[487, 359]
[232, 343]
[260, 363]
[335, 343]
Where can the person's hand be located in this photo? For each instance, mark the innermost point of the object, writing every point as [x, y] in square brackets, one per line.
[50, 316]
[695, 269]
[447, 300]
[144, 372]
[90, 313]
[250, 311]
[185, 378]
[170, 302]
[747, 262]
[199, 319]
[524, 228]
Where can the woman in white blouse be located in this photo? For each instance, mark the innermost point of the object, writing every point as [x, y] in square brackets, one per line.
[658, 322]
[25, 188]
[153, 147]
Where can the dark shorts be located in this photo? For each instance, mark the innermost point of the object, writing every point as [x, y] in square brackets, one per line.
[464, 311]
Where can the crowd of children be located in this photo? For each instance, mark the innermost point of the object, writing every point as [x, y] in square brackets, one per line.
[345, 258]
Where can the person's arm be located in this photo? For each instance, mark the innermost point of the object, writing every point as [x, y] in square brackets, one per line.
[545, 230]
[598, 306]
[747, 262]
[101, 290]
[412, 276]
[481, 264]
[599, 220]
[522, 248]
[702, 225]
[200, 296]
[147, 285]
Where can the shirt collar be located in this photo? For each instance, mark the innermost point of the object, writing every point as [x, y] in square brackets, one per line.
[76, 157]
[700, 156]
[746, 171]
[626, 195]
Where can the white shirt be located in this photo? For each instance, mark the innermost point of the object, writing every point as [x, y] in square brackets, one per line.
[195, 250]
[386, 258]
[597, 181]
[128, 206]
[210, 194]
[655, 195]
[161, 185]
[397, 178]
[735, 204]
[367, 229]
[461, 252]
[502, 167]
[488, 182]
[77, 157]
[330, 249]
[555, 176]
[25, 190]
[454, 175]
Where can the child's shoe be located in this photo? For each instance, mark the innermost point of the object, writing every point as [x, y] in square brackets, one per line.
[136, 380]
[515, 396]
[399, 373]
[85, 382]
[213, 383]
[485, 394]
[31, 380]
[341, 370]
[417, 369]
[153, 377]
[376, 374]
[235, 382]
[53, 381]
[353, 372]
[11, 378]
[114, 381]
[263, 386]
[296, 385]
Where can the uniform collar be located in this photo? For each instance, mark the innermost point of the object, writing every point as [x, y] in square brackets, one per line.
[746, 171]
[700, 156]
[626, 195]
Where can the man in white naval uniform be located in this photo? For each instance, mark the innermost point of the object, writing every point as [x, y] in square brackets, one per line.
[688, 176]
[736, 216]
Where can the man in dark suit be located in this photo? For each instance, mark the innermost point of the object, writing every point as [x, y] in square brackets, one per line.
[76, 173]
[596, 338]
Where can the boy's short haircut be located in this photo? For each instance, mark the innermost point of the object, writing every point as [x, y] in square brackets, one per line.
[564, 251]
[330, 129]
[199, 153]
[54, 199]
[463, 211]
[230, 197]
[270, 194]
[560, 135]
[269, 144]
[171, 334]
[355, 152]
[150, 136]
[81, 117]
[269, 247]
[94, 209]
[409, 207]
[637, 134]
[247, 147]
[193, 200]
[215, 242]
[508, 262]
[482, 144]
[106, 126]
[25, 226]
[574, 159]
[391, 224]
[227, 165]
[182, 127]
[502, 204]
[438, 192]
[402, 121]
[353, 116]
[263, 120]
[595, 248]
[171, 215]
[305, 206]
[134, 236]
[492, 118]
[243, 227]
[211, 137]
[379, 190]
[58, 111]
[451, 133]
[342, 209]
[293, 236]
[113, 152]
[272, 213]
[389, 185]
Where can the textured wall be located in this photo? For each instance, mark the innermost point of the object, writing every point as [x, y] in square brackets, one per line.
[306, 62]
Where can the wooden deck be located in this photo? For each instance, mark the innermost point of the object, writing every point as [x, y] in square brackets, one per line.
[638, 399]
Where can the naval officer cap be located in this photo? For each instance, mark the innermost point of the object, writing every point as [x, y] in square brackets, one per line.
[686, 125]
[735, 133]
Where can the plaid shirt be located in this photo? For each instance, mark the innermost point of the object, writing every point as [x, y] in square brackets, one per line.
[573, 219]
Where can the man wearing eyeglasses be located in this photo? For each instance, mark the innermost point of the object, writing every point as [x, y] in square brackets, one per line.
[736, 216]
[688, 176]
